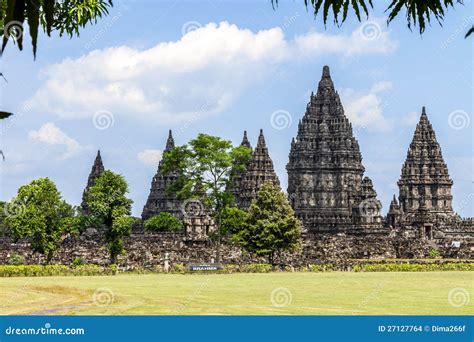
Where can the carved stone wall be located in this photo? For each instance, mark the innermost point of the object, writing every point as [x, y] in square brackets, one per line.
[148, 250]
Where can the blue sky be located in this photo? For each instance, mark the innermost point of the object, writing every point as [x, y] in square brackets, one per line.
[222, 68]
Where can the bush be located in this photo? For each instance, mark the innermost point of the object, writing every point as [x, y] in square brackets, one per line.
[163, 222]
[55, 270]
[450, 266]
[256, 268]
[434, 253]
[77, 262]
[16, 259]
[179, 268]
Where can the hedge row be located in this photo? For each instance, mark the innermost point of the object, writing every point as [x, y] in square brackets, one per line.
[414, 267]
[95, 270]
[55, 270]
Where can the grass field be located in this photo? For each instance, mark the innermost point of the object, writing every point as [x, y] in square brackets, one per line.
[334, 293]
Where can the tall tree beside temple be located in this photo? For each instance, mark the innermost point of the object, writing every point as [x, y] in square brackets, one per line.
[270, 226]
[37, 212]
[205, 167]
[107, 201]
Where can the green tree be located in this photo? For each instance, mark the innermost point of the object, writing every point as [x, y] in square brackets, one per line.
[271, 226]
[205, 167]
[65, 16]
[77, 222]
[107, 201]
[38, 212]
[232, 220]
[163, 222]
[417, 12]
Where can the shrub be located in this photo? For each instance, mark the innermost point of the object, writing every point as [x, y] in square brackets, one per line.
[179, 268]
[16, 259]
[434, 253]
[55, 270]
[77, 262]
[163, 222]
[450, 266]
[256, 268]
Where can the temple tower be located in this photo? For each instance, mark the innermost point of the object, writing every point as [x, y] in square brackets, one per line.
[424, 185]
[325, 168]
[259, 170]
[160, 200]
[96, 171]
[237, 178]
[424, 181]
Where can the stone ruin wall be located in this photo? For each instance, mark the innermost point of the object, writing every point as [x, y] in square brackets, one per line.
[147, 250]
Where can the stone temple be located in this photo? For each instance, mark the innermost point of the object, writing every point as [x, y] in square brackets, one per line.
[160, 198]
[96, 171]
[258, 171]
[327, 185]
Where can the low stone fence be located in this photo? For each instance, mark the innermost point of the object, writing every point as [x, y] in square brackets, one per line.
[145, 249]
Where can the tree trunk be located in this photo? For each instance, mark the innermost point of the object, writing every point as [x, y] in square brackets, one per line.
[49, 257]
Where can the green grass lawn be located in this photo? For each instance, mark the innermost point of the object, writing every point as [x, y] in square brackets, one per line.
[335, 293]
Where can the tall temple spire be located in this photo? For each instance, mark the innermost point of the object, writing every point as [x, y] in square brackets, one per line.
[169, 142]
[96, 171]
[245, 141]
[261, 140]
[326, 73]
[424, 182]
[325, 86]
[159, 199]
[259, 170]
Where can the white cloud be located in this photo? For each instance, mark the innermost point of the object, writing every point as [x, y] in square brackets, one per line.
[369, 38]
[411, 119]
[50, 134]
[199, 75]
[150, 157]
[365, 109]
